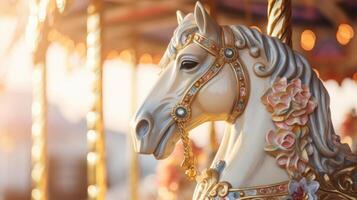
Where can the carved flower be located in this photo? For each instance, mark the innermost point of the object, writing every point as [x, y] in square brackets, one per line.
[282, 139]
[303, 189]
[289, 103]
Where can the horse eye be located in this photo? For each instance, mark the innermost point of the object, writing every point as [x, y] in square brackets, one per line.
[188, 64]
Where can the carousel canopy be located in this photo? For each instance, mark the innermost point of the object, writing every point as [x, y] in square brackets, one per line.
[323, 30]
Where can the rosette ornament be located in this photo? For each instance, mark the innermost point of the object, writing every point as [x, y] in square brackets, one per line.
[290, 105]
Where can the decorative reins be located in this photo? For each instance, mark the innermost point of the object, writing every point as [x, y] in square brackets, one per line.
[227, 53]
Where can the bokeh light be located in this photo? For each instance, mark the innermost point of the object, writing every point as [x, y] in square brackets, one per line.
[308, 40]
[344, 33]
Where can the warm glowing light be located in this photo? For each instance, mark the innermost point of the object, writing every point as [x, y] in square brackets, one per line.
[42, 10]
[156, 58]
[125, 55]
[37, 172]
[112, 54]
[92, 158]
[344, 33]
[32, 32]
[60, 5]
[146, 59]
[92, 136]
[91, 118]
[36, 194]
[308, 39]
[257, 28]
[81, 48]
[92, 191]
[36, 152]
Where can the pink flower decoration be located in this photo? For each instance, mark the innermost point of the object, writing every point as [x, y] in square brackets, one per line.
[290, 105]
[283, 139]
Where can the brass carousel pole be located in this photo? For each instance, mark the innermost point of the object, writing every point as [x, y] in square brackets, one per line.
[212, 142]
[134, 160]
[134, 171]
[96, 168]
[279, 20]
[37, 30]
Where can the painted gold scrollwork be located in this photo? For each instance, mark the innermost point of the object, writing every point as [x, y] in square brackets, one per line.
[342, 184]
[207, 180]
[220, 190]
[345, 182]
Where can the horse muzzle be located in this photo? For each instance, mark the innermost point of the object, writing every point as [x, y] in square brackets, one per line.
[142, 126]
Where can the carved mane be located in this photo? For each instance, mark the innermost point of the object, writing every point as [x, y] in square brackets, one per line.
[326, 153]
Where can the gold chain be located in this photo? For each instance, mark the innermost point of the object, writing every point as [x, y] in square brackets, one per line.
[189, 161]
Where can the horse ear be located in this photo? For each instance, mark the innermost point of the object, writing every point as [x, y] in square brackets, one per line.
[206, 25]
[179, 16]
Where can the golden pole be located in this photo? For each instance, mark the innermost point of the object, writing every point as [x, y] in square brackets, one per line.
[212, 142]
[279, 20]
[39, 171]
[96, 168]
[36, 34]
[134, 174]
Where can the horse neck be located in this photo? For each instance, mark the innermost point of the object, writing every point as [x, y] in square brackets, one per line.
[242, 148]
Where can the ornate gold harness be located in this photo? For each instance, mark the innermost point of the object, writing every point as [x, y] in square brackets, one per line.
[225, 54]
[338, 186]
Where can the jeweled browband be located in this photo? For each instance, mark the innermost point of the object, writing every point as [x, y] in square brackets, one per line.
[227, 53]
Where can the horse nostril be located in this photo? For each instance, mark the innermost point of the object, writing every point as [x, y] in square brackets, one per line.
[142, 128]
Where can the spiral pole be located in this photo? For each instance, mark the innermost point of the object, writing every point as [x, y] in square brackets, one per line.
[96, 168]
[37, 43]
[279, 20]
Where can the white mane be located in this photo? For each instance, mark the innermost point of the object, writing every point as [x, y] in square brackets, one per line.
[325, 150]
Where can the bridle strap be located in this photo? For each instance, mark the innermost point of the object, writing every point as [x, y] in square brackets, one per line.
[242, 78]
[226, 53]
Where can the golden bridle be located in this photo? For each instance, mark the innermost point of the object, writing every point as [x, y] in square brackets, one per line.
[227, 53]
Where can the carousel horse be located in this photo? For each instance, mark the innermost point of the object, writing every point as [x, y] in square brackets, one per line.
[279, 141]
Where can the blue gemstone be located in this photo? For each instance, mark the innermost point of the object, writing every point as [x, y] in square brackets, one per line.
[228, 52]
[181, 112]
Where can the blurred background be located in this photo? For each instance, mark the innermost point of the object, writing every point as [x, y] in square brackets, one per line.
[134, 35]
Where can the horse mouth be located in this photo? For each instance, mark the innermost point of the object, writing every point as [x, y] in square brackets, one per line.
[163, 150]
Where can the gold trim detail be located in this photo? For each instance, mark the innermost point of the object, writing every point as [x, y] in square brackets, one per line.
[209, 188]
[227, 53]
[339, 185]
[96, 166]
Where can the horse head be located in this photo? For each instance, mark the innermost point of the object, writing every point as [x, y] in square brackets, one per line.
[184, 62]
[276, 106]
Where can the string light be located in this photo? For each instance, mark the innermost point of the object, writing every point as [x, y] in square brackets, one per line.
[344, 33]
[146, 59]
[96, 169]
[38, 150]
[308, 39]
[61, 4]
[125, 55]
[112, 54]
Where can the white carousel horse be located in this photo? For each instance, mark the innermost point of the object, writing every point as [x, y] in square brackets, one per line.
[279, 141]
